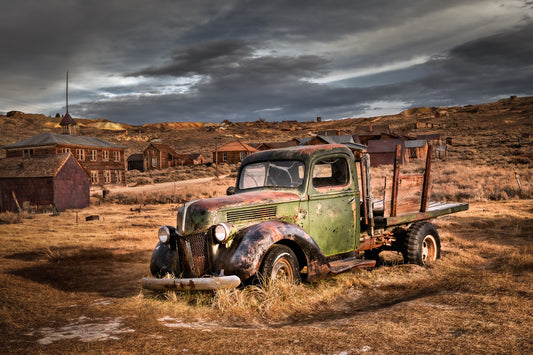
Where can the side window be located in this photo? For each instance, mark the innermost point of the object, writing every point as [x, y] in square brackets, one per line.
[331, 172]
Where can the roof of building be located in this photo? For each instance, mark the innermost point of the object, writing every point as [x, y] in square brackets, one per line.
[417, 143]
[67, 120]
[136, 157]
[196, 156]
[163, 147]
[384, 146]
[372, 129]
[236, 147]
[44, 139]
[39, 166]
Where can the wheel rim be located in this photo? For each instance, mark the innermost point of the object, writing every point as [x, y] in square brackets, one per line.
[429, 249]
[282, 269]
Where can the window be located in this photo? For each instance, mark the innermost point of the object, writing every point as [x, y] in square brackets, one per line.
[154, 162]
[94, 177]
[27, 153]
[287, 173]
[94, 155]
[65, 150]
[118, 175]
[225, 156]
[107, 176]
[105, 155]
[331, 172]
[243, 154]
[80, 154]
[116, 156]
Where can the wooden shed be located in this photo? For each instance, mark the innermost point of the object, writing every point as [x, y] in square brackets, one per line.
[54, 180]
[233, 152]
[136, 162]
[190, 159]
[416, 149]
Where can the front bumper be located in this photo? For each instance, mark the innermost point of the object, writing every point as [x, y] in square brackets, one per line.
[198, 284]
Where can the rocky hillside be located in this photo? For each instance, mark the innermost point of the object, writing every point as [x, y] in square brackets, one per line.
[490, 126]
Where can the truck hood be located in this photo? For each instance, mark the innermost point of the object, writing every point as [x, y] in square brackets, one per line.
[199, 215]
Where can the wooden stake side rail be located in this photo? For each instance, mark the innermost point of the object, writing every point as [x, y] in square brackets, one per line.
[435, 209]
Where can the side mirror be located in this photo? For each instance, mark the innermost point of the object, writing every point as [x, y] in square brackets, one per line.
[230, 190]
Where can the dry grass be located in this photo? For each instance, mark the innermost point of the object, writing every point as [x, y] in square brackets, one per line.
[60, 276]
[71, 286]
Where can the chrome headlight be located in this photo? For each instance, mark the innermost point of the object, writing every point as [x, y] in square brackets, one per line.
[164, 234]
[222, 232]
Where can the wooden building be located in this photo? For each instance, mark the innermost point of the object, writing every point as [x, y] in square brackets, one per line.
[383, 152]
[273, 145]
[233, 152]
[159, 156]
[346, 139]
[56, 180]
[190, 159]
[416, 149]
[104, 161]
[369, 132]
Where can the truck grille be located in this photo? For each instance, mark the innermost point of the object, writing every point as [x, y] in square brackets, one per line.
[252, 214]
[200, 258]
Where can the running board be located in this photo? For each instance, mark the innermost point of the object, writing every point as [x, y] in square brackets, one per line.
[339, 266]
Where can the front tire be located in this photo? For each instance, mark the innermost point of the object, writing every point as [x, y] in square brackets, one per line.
[423, 244]
[280, 263]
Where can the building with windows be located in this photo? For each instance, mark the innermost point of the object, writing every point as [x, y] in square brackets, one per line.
[103, 161]
[233, 152]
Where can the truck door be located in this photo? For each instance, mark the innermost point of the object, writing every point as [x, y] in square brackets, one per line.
[332, 210]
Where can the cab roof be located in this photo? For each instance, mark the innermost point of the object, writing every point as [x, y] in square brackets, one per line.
[302, 153]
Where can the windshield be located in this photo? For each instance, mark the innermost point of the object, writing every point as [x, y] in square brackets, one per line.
[288, 173]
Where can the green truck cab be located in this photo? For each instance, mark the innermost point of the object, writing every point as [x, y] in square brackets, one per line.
[299, 213]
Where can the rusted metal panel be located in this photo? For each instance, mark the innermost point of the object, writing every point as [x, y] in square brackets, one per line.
[245, 255]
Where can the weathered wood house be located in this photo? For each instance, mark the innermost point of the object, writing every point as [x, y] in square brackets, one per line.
[104, 161]
[416, 149]
[162, 156]
[159, 156]
[273, 145]
[233, 152]
[366, 133]
[346, 139]
[383, 151]
[56, 180]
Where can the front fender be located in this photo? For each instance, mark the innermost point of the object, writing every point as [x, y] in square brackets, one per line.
[250, 246]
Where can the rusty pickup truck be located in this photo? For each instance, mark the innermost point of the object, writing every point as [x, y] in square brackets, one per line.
[299, 213]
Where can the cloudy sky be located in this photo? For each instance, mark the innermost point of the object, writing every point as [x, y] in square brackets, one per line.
[138, 61]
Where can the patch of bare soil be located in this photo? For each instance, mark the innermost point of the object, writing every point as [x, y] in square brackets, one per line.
[74, 286]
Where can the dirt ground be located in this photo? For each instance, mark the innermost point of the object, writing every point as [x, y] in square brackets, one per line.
[73, 286]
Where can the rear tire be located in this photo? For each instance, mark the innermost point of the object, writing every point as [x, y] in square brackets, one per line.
[423, 244]
[280, 263]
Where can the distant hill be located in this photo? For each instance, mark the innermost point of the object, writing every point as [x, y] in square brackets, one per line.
[511, 116]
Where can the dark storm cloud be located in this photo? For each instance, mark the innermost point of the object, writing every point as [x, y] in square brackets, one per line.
[137, 61]
[233, 60]
[272, 87]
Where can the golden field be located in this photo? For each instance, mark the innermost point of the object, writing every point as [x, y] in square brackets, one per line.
[73, 286]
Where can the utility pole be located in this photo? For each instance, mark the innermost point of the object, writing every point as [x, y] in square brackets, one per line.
[67, 92]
